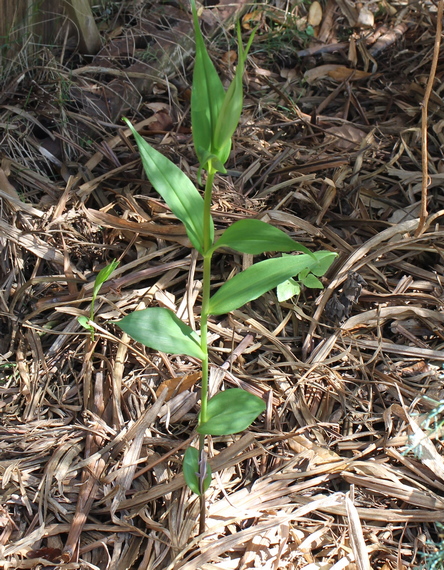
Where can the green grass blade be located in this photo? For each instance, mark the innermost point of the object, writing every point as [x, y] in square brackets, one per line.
[264, 276]
[103, 275]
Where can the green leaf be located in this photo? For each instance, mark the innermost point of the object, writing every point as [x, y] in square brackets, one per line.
[191, 469]
[82, 320]
[230, 412]
[255, 237]
[303, 274]
[175, 188]
[207, 96]
[231, 110]
[204, 162]
[287, 289]
[103, 276]
[160, 329]
[214, 113]
[312, 282]
[264, 276]
[323, 264]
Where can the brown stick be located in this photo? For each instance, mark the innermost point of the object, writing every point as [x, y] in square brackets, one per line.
[424, 116]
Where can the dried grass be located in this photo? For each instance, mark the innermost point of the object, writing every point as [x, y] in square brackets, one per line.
[345, 469]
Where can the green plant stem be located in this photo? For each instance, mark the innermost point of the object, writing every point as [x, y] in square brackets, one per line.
[91, 317]
[206, 292]
[207, 206]
[202, 503]
[203, 415]
[204, 335]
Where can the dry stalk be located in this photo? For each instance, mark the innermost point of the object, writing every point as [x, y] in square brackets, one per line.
[424, 117]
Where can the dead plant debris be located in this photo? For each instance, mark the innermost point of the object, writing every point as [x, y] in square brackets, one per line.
[345, 469]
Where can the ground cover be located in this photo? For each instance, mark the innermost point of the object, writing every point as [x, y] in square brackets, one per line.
[345, 467]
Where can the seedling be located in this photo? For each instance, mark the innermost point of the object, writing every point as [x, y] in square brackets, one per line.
[103, 275]
[291, 287]
[215, 114]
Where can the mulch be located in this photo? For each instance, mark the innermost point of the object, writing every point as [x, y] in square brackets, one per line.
[345, 469]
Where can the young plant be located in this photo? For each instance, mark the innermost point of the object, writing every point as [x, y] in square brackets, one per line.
[103, 275]
[215, 114]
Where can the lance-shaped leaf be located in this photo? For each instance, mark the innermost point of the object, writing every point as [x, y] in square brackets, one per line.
[323, 264]
[214, 113]
[231, 110]
[103, 275]
[191, 472]
[160, 329]
[255, 237]
[207, 96]
[175, 188]
[264, 276]
[230, 412]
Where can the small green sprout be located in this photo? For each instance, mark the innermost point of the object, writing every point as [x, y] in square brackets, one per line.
[103, 275]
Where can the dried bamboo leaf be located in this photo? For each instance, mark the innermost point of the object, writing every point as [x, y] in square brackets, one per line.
[423, 448]
[129, 464]
[226, 543]
[378, 316]
[393, 348]
[172, 232]
[32, 243]
[356, 536]
[400, 491]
